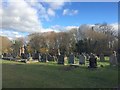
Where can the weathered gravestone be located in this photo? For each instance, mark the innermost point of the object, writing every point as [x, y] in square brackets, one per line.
[44, 58]
[71, 59]
[92, 61]
[35, 56]
[81, 59]
[113, 59]
[102, 59]
[61, 59]
[4, 54]
[25, 55]
[29, 58]
[87, 57]
[48, 57]
[39, 56]
[22, 52]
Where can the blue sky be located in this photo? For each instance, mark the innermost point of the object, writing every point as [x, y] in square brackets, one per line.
[22, 17]
[88, 13]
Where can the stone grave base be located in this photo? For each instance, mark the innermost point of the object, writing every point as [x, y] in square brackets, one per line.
[74, 65]
[32, 61]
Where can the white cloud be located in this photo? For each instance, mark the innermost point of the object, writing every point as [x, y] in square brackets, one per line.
[25, 16]
[69, 12]
[15, 33]
[51, 12]
[70, 27]
[20, 17]
[41, 10]
[58, 28]
[11, 34]
[56, 5]
[49, 30]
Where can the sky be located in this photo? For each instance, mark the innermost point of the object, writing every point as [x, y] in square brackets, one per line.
[23, 17]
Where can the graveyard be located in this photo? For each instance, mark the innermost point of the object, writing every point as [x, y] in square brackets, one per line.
[52, 75]
[52, 44]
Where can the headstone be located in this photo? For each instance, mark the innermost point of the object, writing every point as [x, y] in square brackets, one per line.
[81, 59]
[113, 59]
[35, 56]
[48, 57]
[44, 58]
[102, 59]
[61, 59]
[71, 59]
[28, 56]
[39, 57]
[65, 60]
[95, 60]
[4, 54]
[87, 57]
[92, 61]
[23, 54]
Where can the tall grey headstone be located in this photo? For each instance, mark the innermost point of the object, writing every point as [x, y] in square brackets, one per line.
[61, 59]
[113, 59]
[71, 59]
[102, 59]
[81, 59]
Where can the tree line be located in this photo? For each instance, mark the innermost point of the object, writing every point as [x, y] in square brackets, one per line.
[99, 38]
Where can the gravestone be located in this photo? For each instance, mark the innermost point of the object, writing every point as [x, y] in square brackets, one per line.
[71, 59]
[102, 59]
[113, 59]
[81, 59]
[61, 59]
[4, 54]
[95, 60]
[35, 56]
[44, 58]
[87, 57]
[39, 57]
[48, 57]
[23, 53]
[92, 61]
[1, 56]
[28, 56]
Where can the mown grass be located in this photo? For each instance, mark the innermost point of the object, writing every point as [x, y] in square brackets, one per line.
[52, 75]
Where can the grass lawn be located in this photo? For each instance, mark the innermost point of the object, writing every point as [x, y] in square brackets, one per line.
[51, 75]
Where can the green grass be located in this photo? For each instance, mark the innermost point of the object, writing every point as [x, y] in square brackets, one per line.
[52, 75]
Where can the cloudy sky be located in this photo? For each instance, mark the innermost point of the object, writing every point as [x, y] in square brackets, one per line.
[22, 17]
